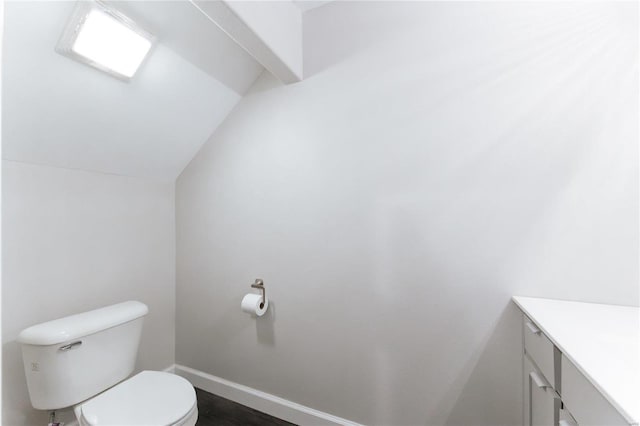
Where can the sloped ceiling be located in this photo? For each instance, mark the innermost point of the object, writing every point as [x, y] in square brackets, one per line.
[61, 113]
[191, 34]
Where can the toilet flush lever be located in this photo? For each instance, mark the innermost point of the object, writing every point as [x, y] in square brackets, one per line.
[70, 346]
[259, 284]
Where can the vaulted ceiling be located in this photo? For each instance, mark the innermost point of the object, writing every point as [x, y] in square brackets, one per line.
[61, 113]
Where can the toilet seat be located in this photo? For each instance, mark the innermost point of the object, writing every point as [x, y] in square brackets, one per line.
[150, 398]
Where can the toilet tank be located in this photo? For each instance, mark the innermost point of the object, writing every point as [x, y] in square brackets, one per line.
[71, 359]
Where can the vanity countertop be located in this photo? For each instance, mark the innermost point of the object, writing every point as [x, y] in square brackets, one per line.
[602, 341]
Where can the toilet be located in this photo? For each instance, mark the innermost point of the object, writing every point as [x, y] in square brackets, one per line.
[84, 361]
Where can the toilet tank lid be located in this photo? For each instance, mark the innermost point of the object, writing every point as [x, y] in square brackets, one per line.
[80, 325]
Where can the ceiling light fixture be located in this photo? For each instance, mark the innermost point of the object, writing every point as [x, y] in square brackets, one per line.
[105, 39]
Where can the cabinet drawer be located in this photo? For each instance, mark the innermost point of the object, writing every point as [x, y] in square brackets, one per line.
[541, 402]
[586, 403]
[540, 349]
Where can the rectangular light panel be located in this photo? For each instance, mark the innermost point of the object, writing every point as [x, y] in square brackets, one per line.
[105, 39]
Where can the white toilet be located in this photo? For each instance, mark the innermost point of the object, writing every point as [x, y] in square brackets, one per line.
[82, 361]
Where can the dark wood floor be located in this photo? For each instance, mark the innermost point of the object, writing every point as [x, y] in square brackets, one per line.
[216, 411]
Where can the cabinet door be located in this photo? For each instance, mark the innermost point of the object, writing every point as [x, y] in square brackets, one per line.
[541, 405]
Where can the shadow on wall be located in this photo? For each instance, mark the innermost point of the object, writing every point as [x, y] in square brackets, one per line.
[473, 397]
[265, 330]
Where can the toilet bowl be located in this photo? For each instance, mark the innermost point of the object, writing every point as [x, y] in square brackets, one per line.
[84, 361]
[148, 398]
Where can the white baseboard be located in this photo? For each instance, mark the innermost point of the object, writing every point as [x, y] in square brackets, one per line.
[258, 400]
[170, 369]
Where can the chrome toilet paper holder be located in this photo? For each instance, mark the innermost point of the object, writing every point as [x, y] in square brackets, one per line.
[259, 284]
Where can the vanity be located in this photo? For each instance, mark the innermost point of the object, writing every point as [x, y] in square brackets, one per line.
[581, 363]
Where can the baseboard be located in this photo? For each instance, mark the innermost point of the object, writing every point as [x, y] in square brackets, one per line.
[258, 400]
[170, 369]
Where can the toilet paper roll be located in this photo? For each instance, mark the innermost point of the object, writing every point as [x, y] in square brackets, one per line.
[251, 304]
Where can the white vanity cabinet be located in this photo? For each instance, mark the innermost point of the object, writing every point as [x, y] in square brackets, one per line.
[581, 363]
[541, 398]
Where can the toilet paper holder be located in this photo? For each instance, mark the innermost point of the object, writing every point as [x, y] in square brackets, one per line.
[259, 284]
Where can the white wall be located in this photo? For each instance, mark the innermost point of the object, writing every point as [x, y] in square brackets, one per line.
[439, 158]
[75, 241]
